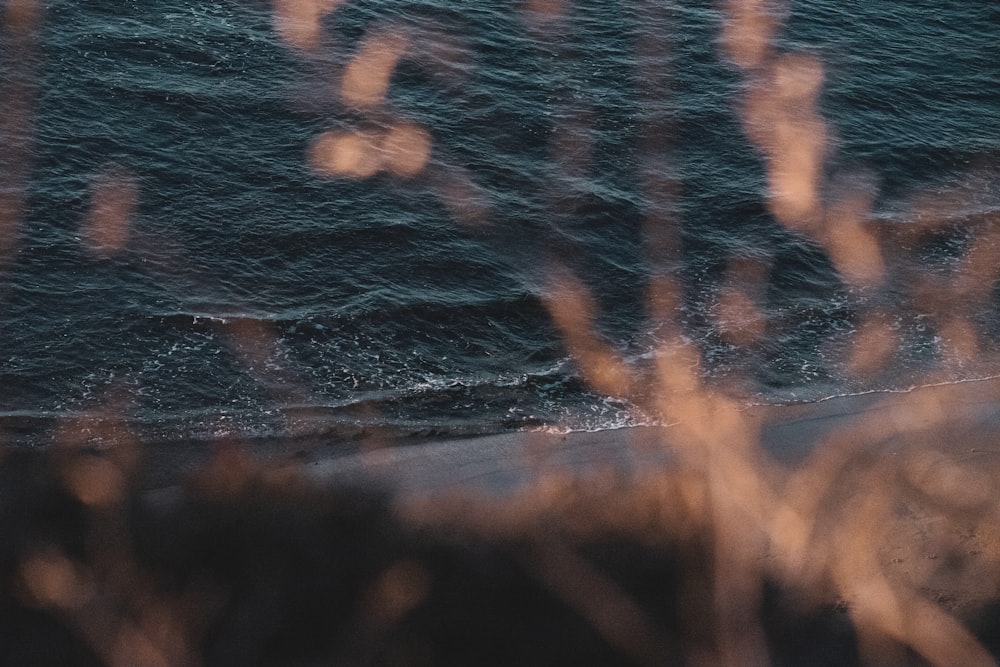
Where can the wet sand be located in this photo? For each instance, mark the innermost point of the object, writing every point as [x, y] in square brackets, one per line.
[961, 421]
[956, 425]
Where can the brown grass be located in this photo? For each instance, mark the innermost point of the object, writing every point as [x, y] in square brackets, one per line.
[728, 558]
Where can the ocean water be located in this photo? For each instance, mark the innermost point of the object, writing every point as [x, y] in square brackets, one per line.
[255, 296]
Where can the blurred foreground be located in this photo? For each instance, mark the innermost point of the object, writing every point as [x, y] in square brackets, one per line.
[592, 549]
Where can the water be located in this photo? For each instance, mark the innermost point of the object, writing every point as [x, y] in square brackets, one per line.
[256, 297]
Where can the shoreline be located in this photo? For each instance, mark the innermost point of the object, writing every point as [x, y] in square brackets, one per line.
[789, 434]
[930, 415]
[332, 524]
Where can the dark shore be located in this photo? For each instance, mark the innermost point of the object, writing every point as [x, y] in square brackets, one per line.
[263, 556]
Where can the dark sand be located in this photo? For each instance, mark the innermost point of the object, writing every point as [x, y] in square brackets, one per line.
[253, 554]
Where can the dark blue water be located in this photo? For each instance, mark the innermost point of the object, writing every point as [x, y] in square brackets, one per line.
[257, 297]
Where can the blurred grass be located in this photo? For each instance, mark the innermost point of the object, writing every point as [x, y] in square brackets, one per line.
[729, 558]
[252, 567]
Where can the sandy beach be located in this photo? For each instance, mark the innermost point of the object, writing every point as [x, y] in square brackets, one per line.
[594, 548]
[933, 540]
[959, 421]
